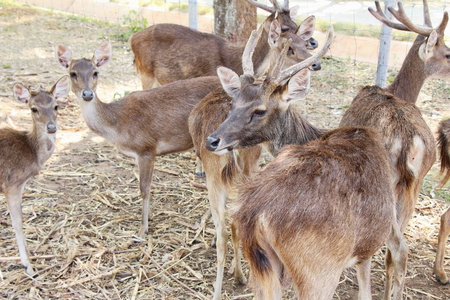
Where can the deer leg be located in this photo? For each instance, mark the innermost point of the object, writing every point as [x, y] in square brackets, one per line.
[444, 231]
[236, 266]
[217, 199]
[398, 254]
[199, 168]
[363, 272]
[14, 201]
[146, 164]
[149, 82]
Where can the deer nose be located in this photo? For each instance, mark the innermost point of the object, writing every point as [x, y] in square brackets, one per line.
[313, 43]
[87, 95]
[51, 127]
[317, 66]
[212, 143]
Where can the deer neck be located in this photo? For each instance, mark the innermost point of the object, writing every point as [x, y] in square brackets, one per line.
[411, 77]
[42, 142]
[292, 129]
[98, 116]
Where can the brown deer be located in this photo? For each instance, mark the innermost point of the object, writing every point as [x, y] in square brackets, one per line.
[317, 209]
[137, 123]
[393, 113]
[264, 111]
[24, 153]
[165, 53]
[444, 153]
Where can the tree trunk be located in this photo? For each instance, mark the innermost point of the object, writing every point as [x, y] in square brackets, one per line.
[234, 20]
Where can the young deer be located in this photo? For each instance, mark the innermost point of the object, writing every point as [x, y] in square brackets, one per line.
[317, 209]
[444, 151]
[137, 123]
[264, 111]
[165, 53]
[24, 153]
[393, 113]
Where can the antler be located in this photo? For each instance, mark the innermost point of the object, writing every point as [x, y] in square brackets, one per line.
[262, 6]
[406, 23]
[276, 6]
[291, 71]
[247, 62]
[380, 16]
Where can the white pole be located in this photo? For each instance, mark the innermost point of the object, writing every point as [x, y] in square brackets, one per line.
[385, 45]
[193, 14]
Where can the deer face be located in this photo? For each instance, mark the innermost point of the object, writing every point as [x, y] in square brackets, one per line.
[436, 56]
[43, 105]
[83, 72]
[258, 110]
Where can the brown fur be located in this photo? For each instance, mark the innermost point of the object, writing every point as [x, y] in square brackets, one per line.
[24, 153]
[143, 124]
[444, 151]
[287, 220]
[165, 53]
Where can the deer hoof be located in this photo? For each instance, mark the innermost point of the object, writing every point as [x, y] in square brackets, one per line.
[443, 282]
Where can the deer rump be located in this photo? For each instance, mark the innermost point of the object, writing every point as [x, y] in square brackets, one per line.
[315, 210]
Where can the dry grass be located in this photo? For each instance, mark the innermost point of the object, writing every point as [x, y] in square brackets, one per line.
[84, 207]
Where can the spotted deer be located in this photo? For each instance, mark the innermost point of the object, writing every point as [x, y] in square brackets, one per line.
[444, 231]
[24, 153]
[264, 111]
[317, 209]
[165, 53]
[393, 113]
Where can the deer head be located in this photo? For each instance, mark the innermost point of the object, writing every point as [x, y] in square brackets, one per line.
[43, 105]
[259, 106]
[431, 46]
[84, 72]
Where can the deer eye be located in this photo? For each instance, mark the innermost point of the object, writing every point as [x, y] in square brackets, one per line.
[95, 75]
[73, 75]
[56, 107]
[447, 56]
[290, 51]
[34, 109]
[285, 29]
[260, 112]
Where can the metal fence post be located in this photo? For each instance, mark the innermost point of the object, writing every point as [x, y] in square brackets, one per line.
[193, 14]
[385, 45]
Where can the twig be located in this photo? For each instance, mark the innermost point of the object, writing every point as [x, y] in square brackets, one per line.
[16, 258]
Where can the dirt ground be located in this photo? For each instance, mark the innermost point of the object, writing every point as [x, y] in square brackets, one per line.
[84, 206]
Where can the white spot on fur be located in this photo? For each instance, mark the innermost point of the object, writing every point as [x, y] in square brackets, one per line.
[416, 155]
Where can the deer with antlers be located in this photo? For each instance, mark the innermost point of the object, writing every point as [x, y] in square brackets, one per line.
[24, 153]
[137, 124]
[165, 53]
[393, 113]
[263, 107]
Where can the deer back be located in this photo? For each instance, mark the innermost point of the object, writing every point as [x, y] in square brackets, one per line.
[335, 190]
[169, 52]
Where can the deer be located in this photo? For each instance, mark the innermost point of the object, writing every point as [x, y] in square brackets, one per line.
[317, 209]
[25, 152]
[444, 231]
[252, 104]
[392, 111]
[164, 53]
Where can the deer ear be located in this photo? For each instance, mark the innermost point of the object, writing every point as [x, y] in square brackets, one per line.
[102, 54]
[307, 27]
[61, 87]
[274, 33]
[298, 86]
[425, 50]
[63, 56]
[21, 93]
[293, 11]
[230, 80]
